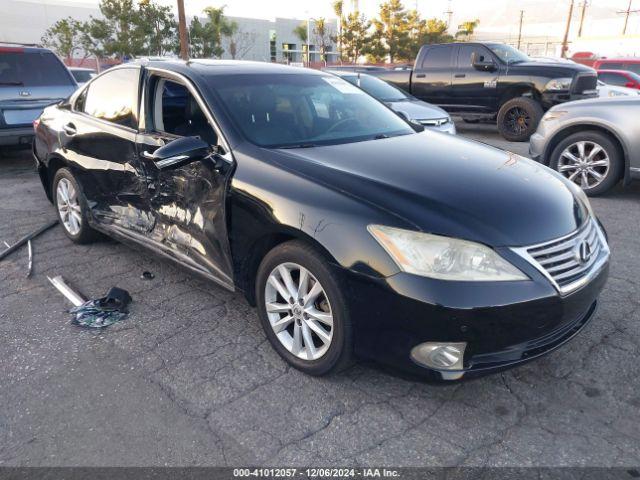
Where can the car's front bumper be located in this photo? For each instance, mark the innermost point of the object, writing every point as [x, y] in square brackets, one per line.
[16, 136]
[537, 145]
[503, 324]
[550, 99]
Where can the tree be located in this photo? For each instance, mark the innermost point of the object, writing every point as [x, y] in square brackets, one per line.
[423, 32]
[119, 28]
[301, 32]
[391, 35]
[239, 43]
[158, 28]
[338, 9]
[467, 28]
[322, 38]
[354, 36]
[218, 27]
[64, 37]
[198, 43]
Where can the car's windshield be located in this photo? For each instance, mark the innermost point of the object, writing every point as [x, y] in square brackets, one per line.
[291, 110]
[32, 69]
[508, 54]
[377, 88]
[82, 75]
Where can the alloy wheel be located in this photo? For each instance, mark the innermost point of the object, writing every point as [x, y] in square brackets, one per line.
[585, 163]
[299, 311]
[69, 206]
[518, 120]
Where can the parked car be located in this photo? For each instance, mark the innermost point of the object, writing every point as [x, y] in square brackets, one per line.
[629, 64]
[620, 78]
[401, 102]
[30, 79]
[359, 68]
[352, 232]
[605, 90]
[479, 80]
[594, 143]
[82, 75]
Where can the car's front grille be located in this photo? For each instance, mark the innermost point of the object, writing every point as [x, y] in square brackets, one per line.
[434, 122]
[570, 261]
[584, 82]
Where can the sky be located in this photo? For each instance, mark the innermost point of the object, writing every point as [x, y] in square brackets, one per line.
[490, 12]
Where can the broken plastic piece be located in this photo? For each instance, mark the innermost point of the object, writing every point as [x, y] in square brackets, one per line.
[74, 297]
[30, 267]
[26, 238]
[147, 275]
[104, 311]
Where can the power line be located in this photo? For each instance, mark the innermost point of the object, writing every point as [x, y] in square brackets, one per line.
[565, 41]
[626, 14]
[520, 29]
[585, 4]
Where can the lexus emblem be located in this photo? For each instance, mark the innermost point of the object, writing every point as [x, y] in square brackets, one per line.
[583, 252]
[24, 93]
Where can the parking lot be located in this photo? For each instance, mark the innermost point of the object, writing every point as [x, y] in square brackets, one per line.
[190, 379]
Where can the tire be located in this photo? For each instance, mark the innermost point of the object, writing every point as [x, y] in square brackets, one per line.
[611, 174]
[324, 356]
[75, 223]
[518, 119]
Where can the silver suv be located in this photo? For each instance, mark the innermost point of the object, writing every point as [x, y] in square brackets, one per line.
[594, 143]
[31, 78]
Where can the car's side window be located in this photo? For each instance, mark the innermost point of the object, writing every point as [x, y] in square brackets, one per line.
[113, 97]
[438, 57]
[466, 52]
[612, 79]
[175, 111]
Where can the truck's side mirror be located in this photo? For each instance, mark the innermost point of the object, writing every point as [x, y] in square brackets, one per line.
[482, 63]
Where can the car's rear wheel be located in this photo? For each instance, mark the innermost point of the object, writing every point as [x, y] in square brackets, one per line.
[589, 159]
[518, 119]
[71, 207]
[302, 309]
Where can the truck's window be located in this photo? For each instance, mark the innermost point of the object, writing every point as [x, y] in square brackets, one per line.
[114, 97]
[438, 57]
[633, 67]
[466, 51]
[508, 54]
[32, 69]
[289, 110]
[612, 66]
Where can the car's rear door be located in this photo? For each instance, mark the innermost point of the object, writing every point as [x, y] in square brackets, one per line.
[472, 89]
[30, 79]
[431, 79]
[98, 139]
[187, 203]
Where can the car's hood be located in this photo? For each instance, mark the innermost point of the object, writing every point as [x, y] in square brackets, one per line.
[448, 186]
[418, 110]
[550, 68]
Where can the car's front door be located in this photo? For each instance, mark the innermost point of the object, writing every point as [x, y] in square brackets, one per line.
[98, 138]
[189, 202]
[473, 89]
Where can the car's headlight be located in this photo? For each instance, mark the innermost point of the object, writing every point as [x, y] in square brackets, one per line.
[444, 258]
[553, 115]
[559, 84]
[582, 197]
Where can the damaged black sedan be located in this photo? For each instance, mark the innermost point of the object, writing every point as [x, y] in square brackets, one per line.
[354, 232]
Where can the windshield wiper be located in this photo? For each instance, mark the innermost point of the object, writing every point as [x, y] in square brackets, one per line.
[299, 145]
[12, 83]
[380, 136]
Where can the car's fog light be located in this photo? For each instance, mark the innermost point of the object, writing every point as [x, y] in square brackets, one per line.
[441, 356]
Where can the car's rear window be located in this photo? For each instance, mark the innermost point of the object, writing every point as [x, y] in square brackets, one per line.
[32, 69]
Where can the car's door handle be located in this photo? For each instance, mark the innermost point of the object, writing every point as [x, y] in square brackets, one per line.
[459, 75]
[147, 154]
[420, 75]
[70, 129]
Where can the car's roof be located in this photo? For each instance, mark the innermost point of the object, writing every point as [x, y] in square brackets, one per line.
[207, 67]
[608, 70]
[7, 47]
[619, 60]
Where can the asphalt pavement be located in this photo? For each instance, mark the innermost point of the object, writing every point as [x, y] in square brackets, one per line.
[190, 379]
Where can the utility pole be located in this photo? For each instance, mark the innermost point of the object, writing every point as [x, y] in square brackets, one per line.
[585, 4]
[626, 13]
[520, 29]
[565, 41]
[182, 31]
[449, 14]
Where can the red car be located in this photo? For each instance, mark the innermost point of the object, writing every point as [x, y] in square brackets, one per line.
[619, 78]
[630, 64]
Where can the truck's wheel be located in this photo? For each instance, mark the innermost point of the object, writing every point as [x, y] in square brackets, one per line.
[518, 119]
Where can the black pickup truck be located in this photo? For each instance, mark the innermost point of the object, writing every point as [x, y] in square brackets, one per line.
[493, 80]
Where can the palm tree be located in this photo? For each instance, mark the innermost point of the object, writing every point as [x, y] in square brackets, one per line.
[467, 28]
[338, 9]
[301, 32]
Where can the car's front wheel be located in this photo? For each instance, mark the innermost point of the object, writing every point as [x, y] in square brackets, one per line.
[589, 159]
[302, 309]
[72, 207]
[518, 119]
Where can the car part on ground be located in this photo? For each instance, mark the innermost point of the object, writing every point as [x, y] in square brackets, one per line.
[102, 312]
[257, 176]
[26, 239]
[69, 293]
[594, 143]
[477, 79]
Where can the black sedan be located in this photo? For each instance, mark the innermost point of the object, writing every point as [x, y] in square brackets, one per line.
[354, 232]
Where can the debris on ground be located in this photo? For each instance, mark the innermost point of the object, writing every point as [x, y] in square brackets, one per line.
[147, 275]
[26, 239]
[104, 311]
[74, 297]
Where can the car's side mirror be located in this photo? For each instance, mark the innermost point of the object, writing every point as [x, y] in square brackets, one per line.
[180, 152]
[482, 63]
